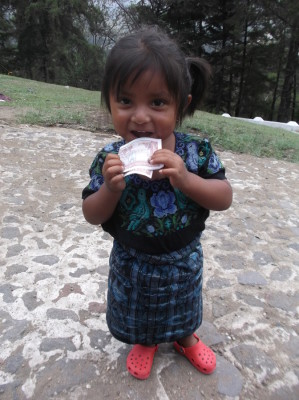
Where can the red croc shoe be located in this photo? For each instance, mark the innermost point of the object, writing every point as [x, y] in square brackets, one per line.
[200, 356]
[140, 361]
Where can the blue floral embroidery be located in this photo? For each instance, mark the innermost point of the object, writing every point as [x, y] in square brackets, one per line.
[150, 229]
[214, 164]
[96, 182]
[184, 219]
[192, 157]
[163, 203]
[109, 147]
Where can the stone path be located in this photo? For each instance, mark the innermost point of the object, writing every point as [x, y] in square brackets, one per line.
[54, 341]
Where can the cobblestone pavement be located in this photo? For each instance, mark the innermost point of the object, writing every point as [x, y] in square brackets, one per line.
[54, 341]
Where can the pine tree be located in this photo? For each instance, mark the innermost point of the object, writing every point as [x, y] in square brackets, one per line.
[52, 41]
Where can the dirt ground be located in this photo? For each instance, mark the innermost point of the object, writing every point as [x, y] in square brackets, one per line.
[100, 120]
[54, 342]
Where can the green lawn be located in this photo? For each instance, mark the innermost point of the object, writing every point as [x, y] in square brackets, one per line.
[45, 104]
[245, 137]
[40, 103]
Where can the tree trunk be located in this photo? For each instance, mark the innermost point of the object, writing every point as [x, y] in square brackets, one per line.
[294, 100]
[244, 54]
[278, 73]
[285, 107]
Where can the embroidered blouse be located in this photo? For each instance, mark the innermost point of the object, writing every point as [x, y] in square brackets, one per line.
[152, 216]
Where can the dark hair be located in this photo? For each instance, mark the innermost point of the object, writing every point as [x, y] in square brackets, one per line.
[152, 49]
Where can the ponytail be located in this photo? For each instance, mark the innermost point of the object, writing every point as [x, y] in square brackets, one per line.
[200, 73]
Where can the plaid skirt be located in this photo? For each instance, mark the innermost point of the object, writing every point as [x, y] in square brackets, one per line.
[154, 298]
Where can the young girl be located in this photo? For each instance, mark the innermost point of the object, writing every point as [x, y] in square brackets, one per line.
[155, 279]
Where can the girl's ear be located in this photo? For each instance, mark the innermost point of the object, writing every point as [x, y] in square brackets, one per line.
[189, 99]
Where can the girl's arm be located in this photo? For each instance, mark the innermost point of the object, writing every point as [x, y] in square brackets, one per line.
[99, 206]
[212, 194]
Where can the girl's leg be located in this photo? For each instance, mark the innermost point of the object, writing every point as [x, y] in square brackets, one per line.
[200, 355]
[188, 341]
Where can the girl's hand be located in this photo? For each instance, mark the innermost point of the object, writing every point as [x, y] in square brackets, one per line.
[174, 167]
[113, 173]
[100, 206]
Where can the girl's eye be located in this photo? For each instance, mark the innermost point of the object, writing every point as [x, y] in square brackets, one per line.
[158, 103]
[124, 100]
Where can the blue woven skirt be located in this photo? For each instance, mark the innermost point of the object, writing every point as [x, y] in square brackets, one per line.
[154, 298]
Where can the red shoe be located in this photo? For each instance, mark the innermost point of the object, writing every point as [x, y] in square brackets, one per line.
[200, 356]
[140, 361]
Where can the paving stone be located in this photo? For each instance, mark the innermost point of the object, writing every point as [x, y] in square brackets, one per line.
[281, 274]
[283, 301]
[231, 261]
[220, 308]
[97, 308]
[14, 250]
[16, 330]
[68, 374]
[285, 393]
[46, 259]
[40, 243]
[54, 313]
[79, 272]
[12, 390]
[84, 229]
[10, 219]
[14, 363]
[292, 347]
[7, 290]
[103, 253]
[209, 334]
[253, 358]
[102, 286]
[38, 226]
[30, 300]
[218, 283]
[98, 339]
[262, 258]
[230, 380]
[103, 271]
[106, 236]
[49, 344]
[294, 246]
[42, 275]
[181, 383]
[66, 206]
[5, 321]
[10, 232]
[14, 270]
[250, 300]
[252, 278]
[68, 289]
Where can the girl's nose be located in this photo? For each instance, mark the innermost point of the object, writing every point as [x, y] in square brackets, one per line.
[140, 116]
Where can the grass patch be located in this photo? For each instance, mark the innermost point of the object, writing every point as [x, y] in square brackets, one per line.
[39, 103]
[245, 137]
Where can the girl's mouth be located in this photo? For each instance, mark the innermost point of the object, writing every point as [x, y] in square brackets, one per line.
[140, 134]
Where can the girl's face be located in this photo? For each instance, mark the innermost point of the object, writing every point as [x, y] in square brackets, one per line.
[145, 108]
